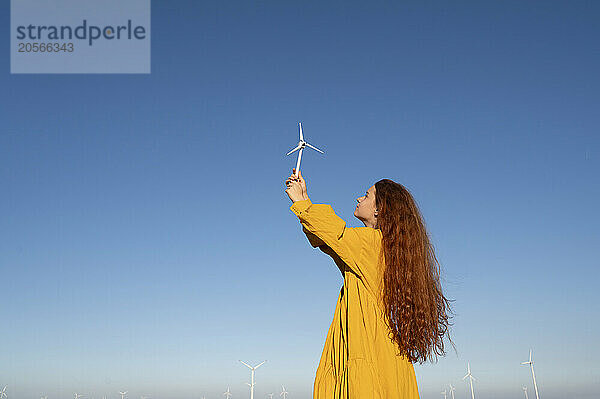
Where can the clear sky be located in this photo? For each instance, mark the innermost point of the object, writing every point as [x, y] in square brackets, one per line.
[146, 241]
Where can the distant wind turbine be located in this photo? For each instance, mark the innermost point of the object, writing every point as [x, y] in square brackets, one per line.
[530, 362]
[3, 392]
[444, 393]
[452, 389]
[283, 392]
[270, 395]
[525, 389]
[227, 393]
[252, 379]
[78, 395]
[122, 394]
[471, 378]
[43, 397]
[301, 145]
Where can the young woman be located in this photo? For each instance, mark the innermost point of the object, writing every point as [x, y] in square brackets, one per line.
[391, 311]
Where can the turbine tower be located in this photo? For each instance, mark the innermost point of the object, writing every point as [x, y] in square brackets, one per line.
[301, 145]
[283, 392]
[444, 393]
[252, 385]
[121, 393]
[452, 389]
[525, 390]
[471, 378]
[227, 393]
[530, 362]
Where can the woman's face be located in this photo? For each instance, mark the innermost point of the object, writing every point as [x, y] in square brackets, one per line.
[365, 209]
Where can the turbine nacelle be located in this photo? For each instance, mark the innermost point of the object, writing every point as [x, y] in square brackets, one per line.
[302, 145]
[530, 361]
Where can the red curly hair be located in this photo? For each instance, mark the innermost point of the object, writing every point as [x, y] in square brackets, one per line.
[415, 308]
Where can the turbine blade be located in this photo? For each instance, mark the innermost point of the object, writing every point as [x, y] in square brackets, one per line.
[297, 148]
[246, 365]
[530, 355]
[314, 148]
[259, 365]
[301, 137]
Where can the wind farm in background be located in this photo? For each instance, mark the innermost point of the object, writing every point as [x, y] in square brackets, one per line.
[448, 393]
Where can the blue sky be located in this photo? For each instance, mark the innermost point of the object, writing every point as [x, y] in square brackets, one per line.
[147, 242]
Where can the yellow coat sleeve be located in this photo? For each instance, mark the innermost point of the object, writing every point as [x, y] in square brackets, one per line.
[323, 227]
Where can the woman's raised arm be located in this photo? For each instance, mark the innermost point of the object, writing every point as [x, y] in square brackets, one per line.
[323, 227]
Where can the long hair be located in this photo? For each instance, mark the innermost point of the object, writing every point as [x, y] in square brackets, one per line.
[415, 308]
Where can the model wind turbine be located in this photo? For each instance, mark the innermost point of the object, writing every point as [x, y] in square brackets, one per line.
[471, 378]
[525, 389]
[252, 385]
[452, 390]
[3, 392]
[283, 392]
[301, 145]
[444, 393]
[121, 393]
[530, 362]
[227, 393]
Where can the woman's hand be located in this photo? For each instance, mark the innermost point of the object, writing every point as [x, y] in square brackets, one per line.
[296, 187]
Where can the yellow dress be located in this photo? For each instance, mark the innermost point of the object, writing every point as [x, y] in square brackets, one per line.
[359, 360]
